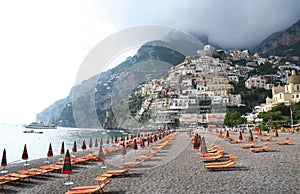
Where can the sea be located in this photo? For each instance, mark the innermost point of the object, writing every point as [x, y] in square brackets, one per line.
[13, 139]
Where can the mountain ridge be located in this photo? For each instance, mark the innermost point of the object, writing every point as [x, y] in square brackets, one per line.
[282, 43]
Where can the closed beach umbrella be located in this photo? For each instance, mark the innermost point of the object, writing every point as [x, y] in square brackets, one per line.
[240, 136]
[276, 133]
[101, 141]
[135, 147]
[203, 146]
[195, 142]
[62, 149]
[142, 143]
[50, 151]
[123, 151]
[227, 134]
[101, 156]
[4, 161]
[96, 143]
[83, 147]
[250, 137]
[25, 153]
[91, 143]
[67, 167]
[74, 149]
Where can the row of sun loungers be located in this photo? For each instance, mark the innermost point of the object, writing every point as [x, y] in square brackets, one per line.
[215, 153]
[26, 174]
[149, 154]
[104, 178]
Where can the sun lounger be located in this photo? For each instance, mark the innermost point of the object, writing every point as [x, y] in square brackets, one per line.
[267, 139]
[265, 148]
[88, 189]
[143, 157]
[35, 172]
[52, 167]
[2, 182]
[235, 141]
[103, 181]
[221, 151]
[287, 141]
[220, 165]
[7, 178]
[249, 145]
[132, 164]
[211, 158]
[19, 176]
[121, 172]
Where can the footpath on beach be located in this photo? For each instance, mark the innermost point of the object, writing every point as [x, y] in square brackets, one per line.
[177, 168]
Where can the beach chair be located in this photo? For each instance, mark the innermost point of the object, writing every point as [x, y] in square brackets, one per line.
[143, 157]
[235, 141]
[219, 151]
[2, 182]
[211, 158]
[9, 179]
[111, 173]
[267, 139]
[88, 189]
[287, 141]
[35, 172]
[53, 167]
[220, 165]
[19, 176]
[265, 148]
[132, 164]
[102, 182]
[249, 145]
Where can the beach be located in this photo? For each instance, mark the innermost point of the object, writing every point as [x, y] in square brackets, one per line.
[178, 169]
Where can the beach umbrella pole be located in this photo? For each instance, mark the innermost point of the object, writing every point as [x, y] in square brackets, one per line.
[3, 171]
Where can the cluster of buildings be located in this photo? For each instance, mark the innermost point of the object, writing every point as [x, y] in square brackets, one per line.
[194, 92]
[198, 91]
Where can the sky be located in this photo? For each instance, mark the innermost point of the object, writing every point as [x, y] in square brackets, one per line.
[43, 43]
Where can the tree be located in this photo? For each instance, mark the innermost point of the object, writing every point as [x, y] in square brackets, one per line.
[233, 119]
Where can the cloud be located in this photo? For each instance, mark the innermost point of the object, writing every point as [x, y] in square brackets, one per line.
[231, 23]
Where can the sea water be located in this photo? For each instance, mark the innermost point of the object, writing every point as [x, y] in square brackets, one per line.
[13, 139]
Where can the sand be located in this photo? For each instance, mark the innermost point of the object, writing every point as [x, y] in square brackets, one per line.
[178, 169]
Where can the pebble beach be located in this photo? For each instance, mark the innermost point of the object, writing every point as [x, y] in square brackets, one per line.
[177, 168]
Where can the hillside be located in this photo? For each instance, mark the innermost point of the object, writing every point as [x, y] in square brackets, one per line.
[63, 111]
[283, 43]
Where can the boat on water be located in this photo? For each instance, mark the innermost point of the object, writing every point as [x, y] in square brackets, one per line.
[32, 131]
[40, 125]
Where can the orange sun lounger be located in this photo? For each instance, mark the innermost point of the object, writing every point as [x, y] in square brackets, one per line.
[132, 164]
[265, 148]
[89, 189]
[249, 145]
[2, 182]
[267, 139]
[287, 141]
[121, 172]
[220, 165]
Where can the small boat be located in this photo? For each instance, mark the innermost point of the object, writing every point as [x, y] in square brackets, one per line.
[40, 125]
[32, 131]
[28, 131]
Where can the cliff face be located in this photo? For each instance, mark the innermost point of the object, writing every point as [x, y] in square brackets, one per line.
[76, 111]
[284, 43]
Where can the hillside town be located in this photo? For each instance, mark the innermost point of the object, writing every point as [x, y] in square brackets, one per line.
[198, 91]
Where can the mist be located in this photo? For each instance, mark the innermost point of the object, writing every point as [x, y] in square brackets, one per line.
[230, 24]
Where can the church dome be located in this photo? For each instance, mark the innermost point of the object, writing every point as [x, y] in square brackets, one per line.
[294, 78]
